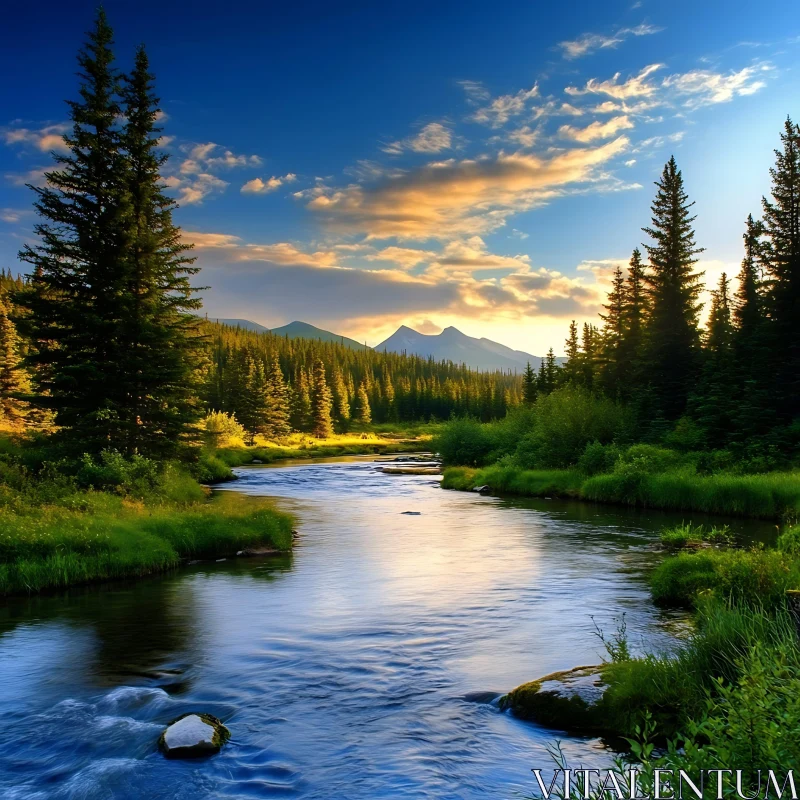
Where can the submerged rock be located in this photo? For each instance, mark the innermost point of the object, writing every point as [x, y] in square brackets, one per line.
[485, 489]
[571, 700]
[193, 736]
[411, 513]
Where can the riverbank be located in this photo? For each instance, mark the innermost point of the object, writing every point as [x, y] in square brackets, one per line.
[772, 495]
[215, 463]
[715, 698]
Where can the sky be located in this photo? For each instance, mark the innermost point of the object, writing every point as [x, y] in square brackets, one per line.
[360, 166]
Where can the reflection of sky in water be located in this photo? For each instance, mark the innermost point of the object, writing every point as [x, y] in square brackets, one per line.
[339, 669]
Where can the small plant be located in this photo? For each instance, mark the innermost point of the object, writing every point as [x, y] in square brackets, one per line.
[682, 536]
[617, 645]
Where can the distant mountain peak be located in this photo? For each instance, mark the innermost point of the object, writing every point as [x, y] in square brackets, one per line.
[454, 345]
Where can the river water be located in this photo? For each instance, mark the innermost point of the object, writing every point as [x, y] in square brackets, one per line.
[343, 670]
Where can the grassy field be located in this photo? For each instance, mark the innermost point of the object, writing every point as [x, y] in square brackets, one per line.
[772, 495]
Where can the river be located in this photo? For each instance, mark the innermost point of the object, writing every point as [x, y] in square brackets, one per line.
[342, 670]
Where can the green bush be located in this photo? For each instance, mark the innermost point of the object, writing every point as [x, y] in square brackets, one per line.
[464, 441]
[565, 421]
[598, 457]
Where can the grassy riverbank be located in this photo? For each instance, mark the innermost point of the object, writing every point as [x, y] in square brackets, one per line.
[727, 694]
[215, 463]
[65, 523]
[773, 495]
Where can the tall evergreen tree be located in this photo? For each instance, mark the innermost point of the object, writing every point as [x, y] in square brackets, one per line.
[588, 355]
[277, 411]
[713, 403]
[612, 374]
[362, 411]
[321, 402]
[301, 401]
[782, 261]
[71, 305]
[529, 385]
[672, 344]
[13, 378]
[635, 306]
[160, 346]
[573, 369]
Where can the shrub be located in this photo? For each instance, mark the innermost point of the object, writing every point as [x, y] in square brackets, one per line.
[136, 476]
[598, 457]
[222, 430]
[464, 441]
[565, 422]
[682, 536]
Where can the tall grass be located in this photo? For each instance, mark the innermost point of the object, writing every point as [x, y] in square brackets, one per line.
[101, 537]
[772, 495]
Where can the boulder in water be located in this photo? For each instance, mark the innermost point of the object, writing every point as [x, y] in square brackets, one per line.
[193, 736]
[571, 700]
[485, 489]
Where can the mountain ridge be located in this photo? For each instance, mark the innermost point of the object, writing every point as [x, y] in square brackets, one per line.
[453, 345]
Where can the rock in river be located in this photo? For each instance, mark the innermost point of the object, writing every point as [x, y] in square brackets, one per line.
[571, 700]
[193, 735]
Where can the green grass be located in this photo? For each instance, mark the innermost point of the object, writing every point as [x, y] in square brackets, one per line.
[96, 536]
[772, 495]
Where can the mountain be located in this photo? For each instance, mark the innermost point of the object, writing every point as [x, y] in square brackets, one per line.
[452, 345]
[294, 330]
[244, 324]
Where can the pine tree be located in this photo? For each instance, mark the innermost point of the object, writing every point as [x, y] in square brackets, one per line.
[611, 368]
[160, 346]
[529, 385]
[713, 404]
[588, 355]
[277, 410]
[71, 308]
[301, 402]
[672, 335]
[362, 411]
[252, 403]
[754, 413]
[13, 378]
[635, 307]
[782, 261]
[321, 403]
[341, 399]
[574, 367]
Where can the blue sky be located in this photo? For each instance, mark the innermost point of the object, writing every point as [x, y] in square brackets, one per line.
[365, 165]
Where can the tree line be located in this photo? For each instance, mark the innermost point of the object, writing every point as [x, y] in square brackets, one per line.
[734, 383]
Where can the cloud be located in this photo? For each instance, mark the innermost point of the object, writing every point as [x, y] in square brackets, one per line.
[433, 138]
[458, 198]
[502, 108]
[655, 142]
[515, 234]
[12, 215]
[591, 42]
[704, 87]
[34, 177]
[195, 188]
[51, 137]
[476, 92]
[524, 136]
[259, 186]
[597, 130]
[403, 257]
[636, 86]
[210, 156]
[461, 258]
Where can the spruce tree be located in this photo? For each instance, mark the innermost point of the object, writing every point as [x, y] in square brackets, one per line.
[13, 378]
[588, 355]
[782, 262]
[301, 401]
[529, 385]
[610, 364]
[362, 411]
[321, 403]
[573, 368]
[672, 336]
[160, 346]
[277, 407]
[71, 307]
[713, 403]
[755, 412]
